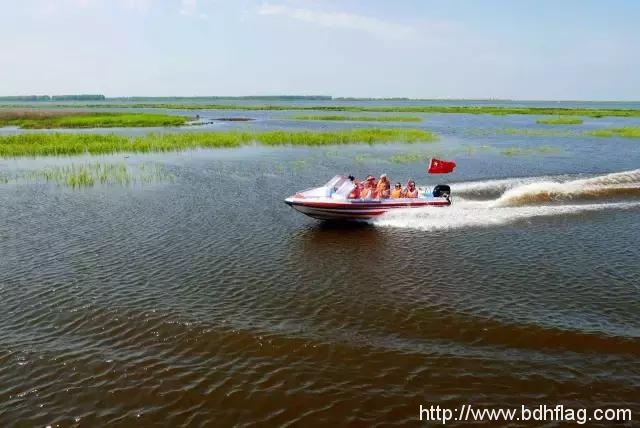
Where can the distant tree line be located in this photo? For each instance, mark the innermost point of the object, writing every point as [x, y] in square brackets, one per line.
[81, 97]
[374, 99]
[248, 97]
[27, 98]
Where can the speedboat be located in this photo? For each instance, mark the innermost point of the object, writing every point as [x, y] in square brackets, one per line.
[332, 202]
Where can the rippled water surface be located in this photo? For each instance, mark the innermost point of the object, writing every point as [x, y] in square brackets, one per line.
[206, 301]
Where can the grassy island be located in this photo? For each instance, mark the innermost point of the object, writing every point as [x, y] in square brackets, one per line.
[34, 119]
[630, 132]
[361, 118]
[560, 121]
[73, 144]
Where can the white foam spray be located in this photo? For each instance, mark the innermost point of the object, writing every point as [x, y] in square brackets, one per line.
[518, 199]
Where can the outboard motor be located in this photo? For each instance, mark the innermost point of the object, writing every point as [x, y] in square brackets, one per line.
[442, 191]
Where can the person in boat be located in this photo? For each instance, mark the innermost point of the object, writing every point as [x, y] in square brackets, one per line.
[373, 181]
[382, 185]
[397, 191]
[411, 191]
[369, 191]
[386, 192]
[357, 190]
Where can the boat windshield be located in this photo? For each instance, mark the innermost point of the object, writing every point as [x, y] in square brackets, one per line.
[340, 185]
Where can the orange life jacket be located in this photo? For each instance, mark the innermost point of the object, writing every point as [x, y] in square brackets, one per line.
[367, 192]
[396, 193]
[409, 194]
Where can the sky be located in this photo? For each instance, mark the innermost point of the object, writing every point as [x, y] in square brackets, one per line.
[542, 49]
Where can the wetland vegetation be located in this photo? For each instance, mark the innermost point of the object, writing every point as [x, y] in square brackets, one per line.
[361, 118]
[536, 132]
[89, 174]
[520, 151]
[73, 144]
[558, 120]
[495, 110]
[39, 119]
[629, 132]
[422, 157]
[84, 175]
[407, 158]
[45, 98]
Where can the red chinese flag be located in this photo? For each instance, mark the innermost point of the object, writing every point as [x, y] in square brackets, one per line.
[437, 166]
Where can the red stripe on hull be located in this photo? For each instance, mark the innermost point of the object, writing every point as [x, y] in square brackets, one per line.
[367, 205]
[350, 211]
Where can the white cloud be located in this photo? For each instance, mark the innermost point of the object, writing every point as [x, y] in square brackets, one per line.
[350, 21]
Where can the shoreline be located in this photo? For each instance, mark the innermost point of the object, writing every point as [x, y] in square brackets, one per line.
[445, 109]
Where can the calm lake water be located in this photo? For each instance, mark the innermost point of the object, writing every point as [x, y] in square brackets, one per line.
[206, 301]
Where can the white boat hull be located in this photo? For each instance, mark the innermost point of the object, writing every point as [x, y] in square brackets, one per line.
[357, 209]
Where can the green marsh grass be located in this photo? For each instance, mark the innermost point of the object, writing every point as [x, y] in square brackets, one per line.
[547, 111]
[74, 144]
[361, 118]
[349, 136]
[513, 151]
[363, 158]
[541, 150]
[89, 174]
[616, 132]
[60, 119]
[298, 165]
[84, 175]
[560, 121]
[472, 150]
[151, 172]
[407, 158]
[534, 132]
[628, 132]
[469, 150]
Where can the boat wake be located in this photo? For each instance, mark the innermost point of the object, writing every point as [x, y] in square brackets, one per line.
[497, 202]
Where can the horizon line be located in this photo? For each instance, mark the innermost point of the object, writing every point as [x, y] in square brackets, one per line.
[317, 97]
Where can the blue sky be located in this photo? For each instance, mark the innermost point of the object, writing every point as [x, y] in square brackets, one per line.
[570, 49]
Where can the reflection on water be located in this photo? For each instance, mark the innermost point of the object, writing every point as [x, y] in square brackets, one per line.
[208, 301]
[321, 236]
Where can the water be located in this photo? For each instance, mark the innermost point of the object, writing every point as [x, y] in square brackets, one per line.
[207, 301]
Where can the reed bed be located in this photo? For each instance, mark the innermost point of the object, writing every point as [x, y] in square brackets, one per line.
[616, 132]
[533, 132]
[83, 175]
[496, 110]
[519, 151]
[361, 118]
[89, 174]
[74, 144]
[417, 157]
[560, 121]
[34, 119]
[407, 158]
[627, 132]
